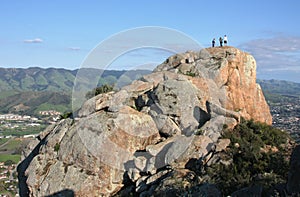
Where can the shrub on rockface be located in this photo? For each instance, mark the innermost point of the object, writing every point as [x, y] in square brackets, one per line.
[66, 115]
[99, 90]
[259, 154]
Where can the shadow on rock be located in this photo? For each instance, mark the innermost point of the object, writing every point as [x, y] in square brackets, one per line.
[22, 167]
[63, 193]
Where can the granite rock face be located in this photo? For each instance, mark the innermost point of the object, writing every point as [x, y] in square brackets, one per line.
[228, 75]
[155, 124]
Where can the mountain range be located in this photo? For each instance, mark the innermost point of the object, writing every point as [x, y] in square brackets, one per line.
[280, 87]
[56, 79]
[29, 90]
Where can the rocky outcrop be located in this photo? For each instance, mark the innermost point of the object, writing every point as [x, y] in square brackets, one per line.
[229, 78]
[150, 129]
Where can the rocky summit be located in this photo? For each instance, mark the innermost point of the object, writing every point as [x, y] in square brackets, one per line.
[145, 133]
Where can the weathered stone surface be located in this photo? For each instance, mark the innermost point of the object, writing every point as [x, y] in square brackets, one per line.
[133, 174]
[138, 87]
[166, 152]
[203, 145]
[213, 127]
[148, 127]
[140, 163]
[237, 73]
[222, 144]
[118, 100]
[233, 73]
[95, 103]
[176, 151]
[95, 149]
[166, 126]
[173, 101]
[157, 77]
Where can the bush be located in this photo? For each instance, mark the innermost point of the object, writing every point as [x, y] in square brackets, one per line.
[191, 74]
[56, 147]
[199, 132]
[251, 165]
[99, 90]
[9, 162]
[66, 115]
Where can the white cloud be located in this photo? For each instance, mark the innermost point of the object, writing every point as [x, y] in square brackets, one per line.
[277, 57]
[74, 48]
[277, 53]
[275, 44]
[35, 40]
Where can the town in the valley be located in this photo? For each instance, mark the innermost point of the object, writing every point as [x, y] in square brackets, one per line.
[286, 115]
[15, 132]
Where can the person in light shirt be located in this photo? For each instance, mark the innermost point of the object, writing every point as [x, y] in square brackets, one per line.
[225, 40]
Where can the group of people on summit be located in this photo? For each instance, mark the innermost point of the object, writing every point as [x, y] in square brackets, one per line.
[221, 40]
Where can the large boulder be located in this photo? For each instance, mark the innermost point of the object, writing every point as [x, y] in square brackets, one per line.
[167, 119]
[89, 156]
[230, 79]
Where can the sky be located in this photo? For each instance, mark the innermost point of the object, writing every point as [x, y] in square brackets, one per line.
[64, 34]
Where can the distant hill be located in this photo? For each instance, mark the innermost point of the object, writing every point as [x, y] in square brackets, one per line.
[57, 79]
[36, 79]
[29, 90]
[30, 103]
[284, 88]
[62, 80]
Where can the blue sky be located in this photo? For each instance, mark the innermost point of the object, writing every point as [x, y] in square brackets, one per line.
[62, 33]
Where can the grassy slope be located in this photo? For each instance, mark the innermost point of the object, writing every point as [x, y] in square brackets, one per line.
[6, 157]
[36, 101]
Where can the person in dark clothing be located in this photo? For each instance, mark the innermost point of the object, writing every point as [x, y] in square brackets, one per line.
[221, 41]
[213, 42]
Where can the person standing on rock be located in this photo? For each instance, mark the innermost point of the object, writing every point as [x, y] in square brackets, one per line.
[225, 40]
[213, 42]
[221, 41]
